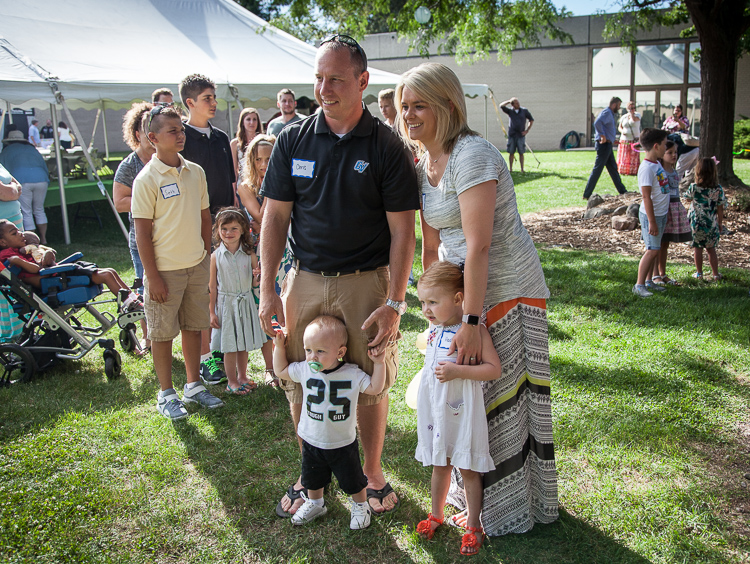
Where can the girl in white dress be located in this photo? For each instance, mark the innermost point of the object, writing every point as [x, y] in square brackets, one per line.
[234, 315]
[451, 419]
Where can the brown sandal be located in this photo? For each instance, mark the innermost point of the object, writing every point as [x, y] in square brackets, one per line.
[271, 379]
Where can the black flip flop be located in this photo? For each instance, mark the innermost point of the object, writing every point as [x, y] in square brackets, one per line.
[293, 495]
[380, 495]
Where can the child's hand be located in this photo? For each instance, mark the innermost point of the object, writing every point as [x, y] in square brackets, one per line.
[446, 371]
[215, 323]
[279, 339]
[377, 358]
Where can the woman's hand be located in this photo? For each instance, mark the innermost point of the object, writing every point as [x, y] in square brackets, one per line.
[468, 343]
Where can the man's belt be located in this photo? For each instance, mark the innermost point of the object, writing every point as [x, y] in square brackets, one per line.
[332, 274]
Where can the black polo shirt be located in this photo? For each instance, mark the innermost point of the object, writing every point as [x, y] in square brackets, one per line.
[341, 189]
[214, 155]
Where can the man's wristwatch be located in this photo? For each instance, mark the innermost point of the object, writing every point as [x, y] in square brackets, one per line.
[400, 307]
[470, 319]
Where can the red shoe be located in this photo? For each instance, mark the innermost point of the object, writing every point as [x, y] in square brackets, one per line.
[472, 541]
[424, 528]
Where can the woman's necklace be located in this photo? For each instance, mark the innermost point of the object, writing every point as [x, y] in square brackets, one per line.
[437, 159]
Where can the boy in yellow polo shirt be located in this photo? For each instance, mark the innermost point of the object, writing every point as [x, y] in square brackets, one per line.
[173, 232]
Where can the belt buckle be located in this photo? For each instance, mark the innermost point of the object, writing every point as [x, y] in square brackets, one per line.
[330, 274]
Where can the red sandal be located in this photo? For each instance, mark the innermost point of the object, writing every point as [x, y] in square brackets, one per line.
[473, 539]
[424, 528]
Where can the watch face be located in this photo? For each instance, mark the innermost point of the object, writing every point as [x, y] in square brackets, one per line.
[402, 308]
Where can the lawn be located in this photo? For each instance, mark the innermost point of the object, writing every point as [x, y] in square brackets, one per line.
[651, 404]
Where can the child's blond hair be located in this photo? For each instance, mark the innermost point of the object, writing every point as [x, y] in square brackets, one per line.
[250, 176]
[443, 274]
[333, 324]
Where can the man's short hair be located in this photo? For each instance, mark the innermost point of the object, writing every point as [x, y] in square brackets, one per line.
[34, 121]
[154, 123]
[159, 92]
[333, 324]
[359, 64]
[386, 94]
[651, 136]
[192, 86]
[614, 100]
[284, 92]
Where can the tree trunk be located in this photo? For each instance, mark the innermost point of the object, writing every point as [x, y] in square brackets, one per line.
[720, 25]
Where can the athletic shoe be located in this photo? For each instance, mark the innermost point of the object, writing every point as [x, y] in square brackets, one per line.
[169, 405]
[640, 290]
[201, 396]
[219, 356]
[308, 512]
[653, 286]
[360, 516]
[211, 374]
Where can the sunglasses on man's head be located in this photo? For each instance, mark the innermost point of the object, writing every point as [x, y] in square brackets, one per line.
[346, 40]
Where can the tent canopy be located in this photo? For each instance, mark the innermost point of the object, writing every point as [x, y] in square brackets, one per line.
[118, 52]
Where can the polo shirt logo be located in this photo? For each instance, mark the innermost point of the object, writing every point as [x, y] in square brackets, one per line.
[360, 166]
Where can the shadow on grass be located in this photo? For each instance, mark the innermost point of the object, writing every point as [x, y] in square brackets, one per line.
[254, 458]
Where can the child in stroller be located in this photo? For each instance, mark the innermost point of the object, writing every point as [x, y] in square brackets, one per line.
[14, 249]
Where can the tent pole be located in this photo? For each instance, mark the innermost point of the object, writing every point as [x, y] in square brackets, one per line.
[229, 117]
[90, 162]
[486, 119]
[3, 113]
[104, 127]
[96, 124]
[60, 174]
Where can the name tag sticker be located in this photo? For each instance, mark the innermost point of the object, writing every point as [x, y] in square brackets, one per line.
[303, 169]
[446, 339]
[170, 191]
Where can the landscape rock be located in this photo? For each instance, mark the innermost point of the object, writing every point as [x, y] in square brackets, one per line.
[594, 201]
[620, 211]
[593, 213]
[624, 223]
[633, 210]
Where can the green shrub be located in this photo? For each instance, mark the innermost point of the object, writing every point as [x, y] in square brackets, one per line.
[742, 139]
[742, 200]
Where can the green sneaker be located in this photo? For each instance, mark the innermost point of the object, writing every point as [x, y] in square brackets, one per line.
[211, 374]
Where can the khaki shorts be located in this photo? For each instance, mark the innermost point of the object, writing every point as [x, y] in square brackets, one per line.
[352, 298]
[186, 308]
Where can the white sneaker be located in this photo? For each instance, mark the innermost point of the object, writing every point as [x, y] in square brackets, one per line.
[640, 290]
[360, 516]
[308, 512]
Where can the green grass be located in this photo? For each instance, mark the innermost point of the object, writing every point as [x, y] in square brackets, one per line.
[649, 399]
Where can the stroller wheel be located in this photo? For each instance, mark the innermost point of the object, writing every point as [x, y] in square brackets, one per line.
[127, 335]
[17, 363]
[112, 364]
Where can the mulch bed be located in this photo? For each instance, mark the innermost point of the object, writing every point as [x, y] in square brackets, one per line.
[567, 228]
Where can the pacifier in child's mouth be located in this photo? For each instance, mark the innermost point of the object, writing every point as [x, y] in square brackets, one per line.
[315, 366]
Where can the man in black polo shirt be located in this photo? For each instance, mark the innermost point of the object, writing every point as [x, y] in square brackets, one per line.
[347, 185]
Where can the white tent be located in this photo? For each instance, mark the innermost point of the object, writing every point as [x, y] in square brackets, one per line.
[118, 52]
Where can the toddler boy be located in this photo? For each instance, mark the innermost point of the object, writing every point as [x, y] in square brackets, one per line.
[209, 147]
[328, 422]
[31, 258]
[654, 207]
[173, 233]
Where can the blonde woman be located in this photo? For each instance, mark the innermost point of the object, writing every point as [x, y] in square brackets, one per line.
[458, 173]
[248, 126]
[255, 164]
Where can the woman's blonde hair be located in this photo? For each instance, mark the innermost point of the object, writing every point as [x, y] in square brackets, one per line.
[439, 87]
[250, 175]
[241, 134]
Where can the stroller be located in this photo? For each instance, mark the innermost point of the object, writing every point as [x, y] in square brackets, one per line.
[53, 329]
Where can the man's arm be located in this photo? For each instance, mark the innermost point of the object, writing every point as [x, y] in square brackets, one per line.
[599, 127]
[272, 241]
[385, 318]
[531, 122]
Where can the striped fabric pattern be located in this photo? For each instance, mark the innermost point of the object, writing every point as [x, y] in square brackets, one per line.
[522, 490]
[628, 160]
